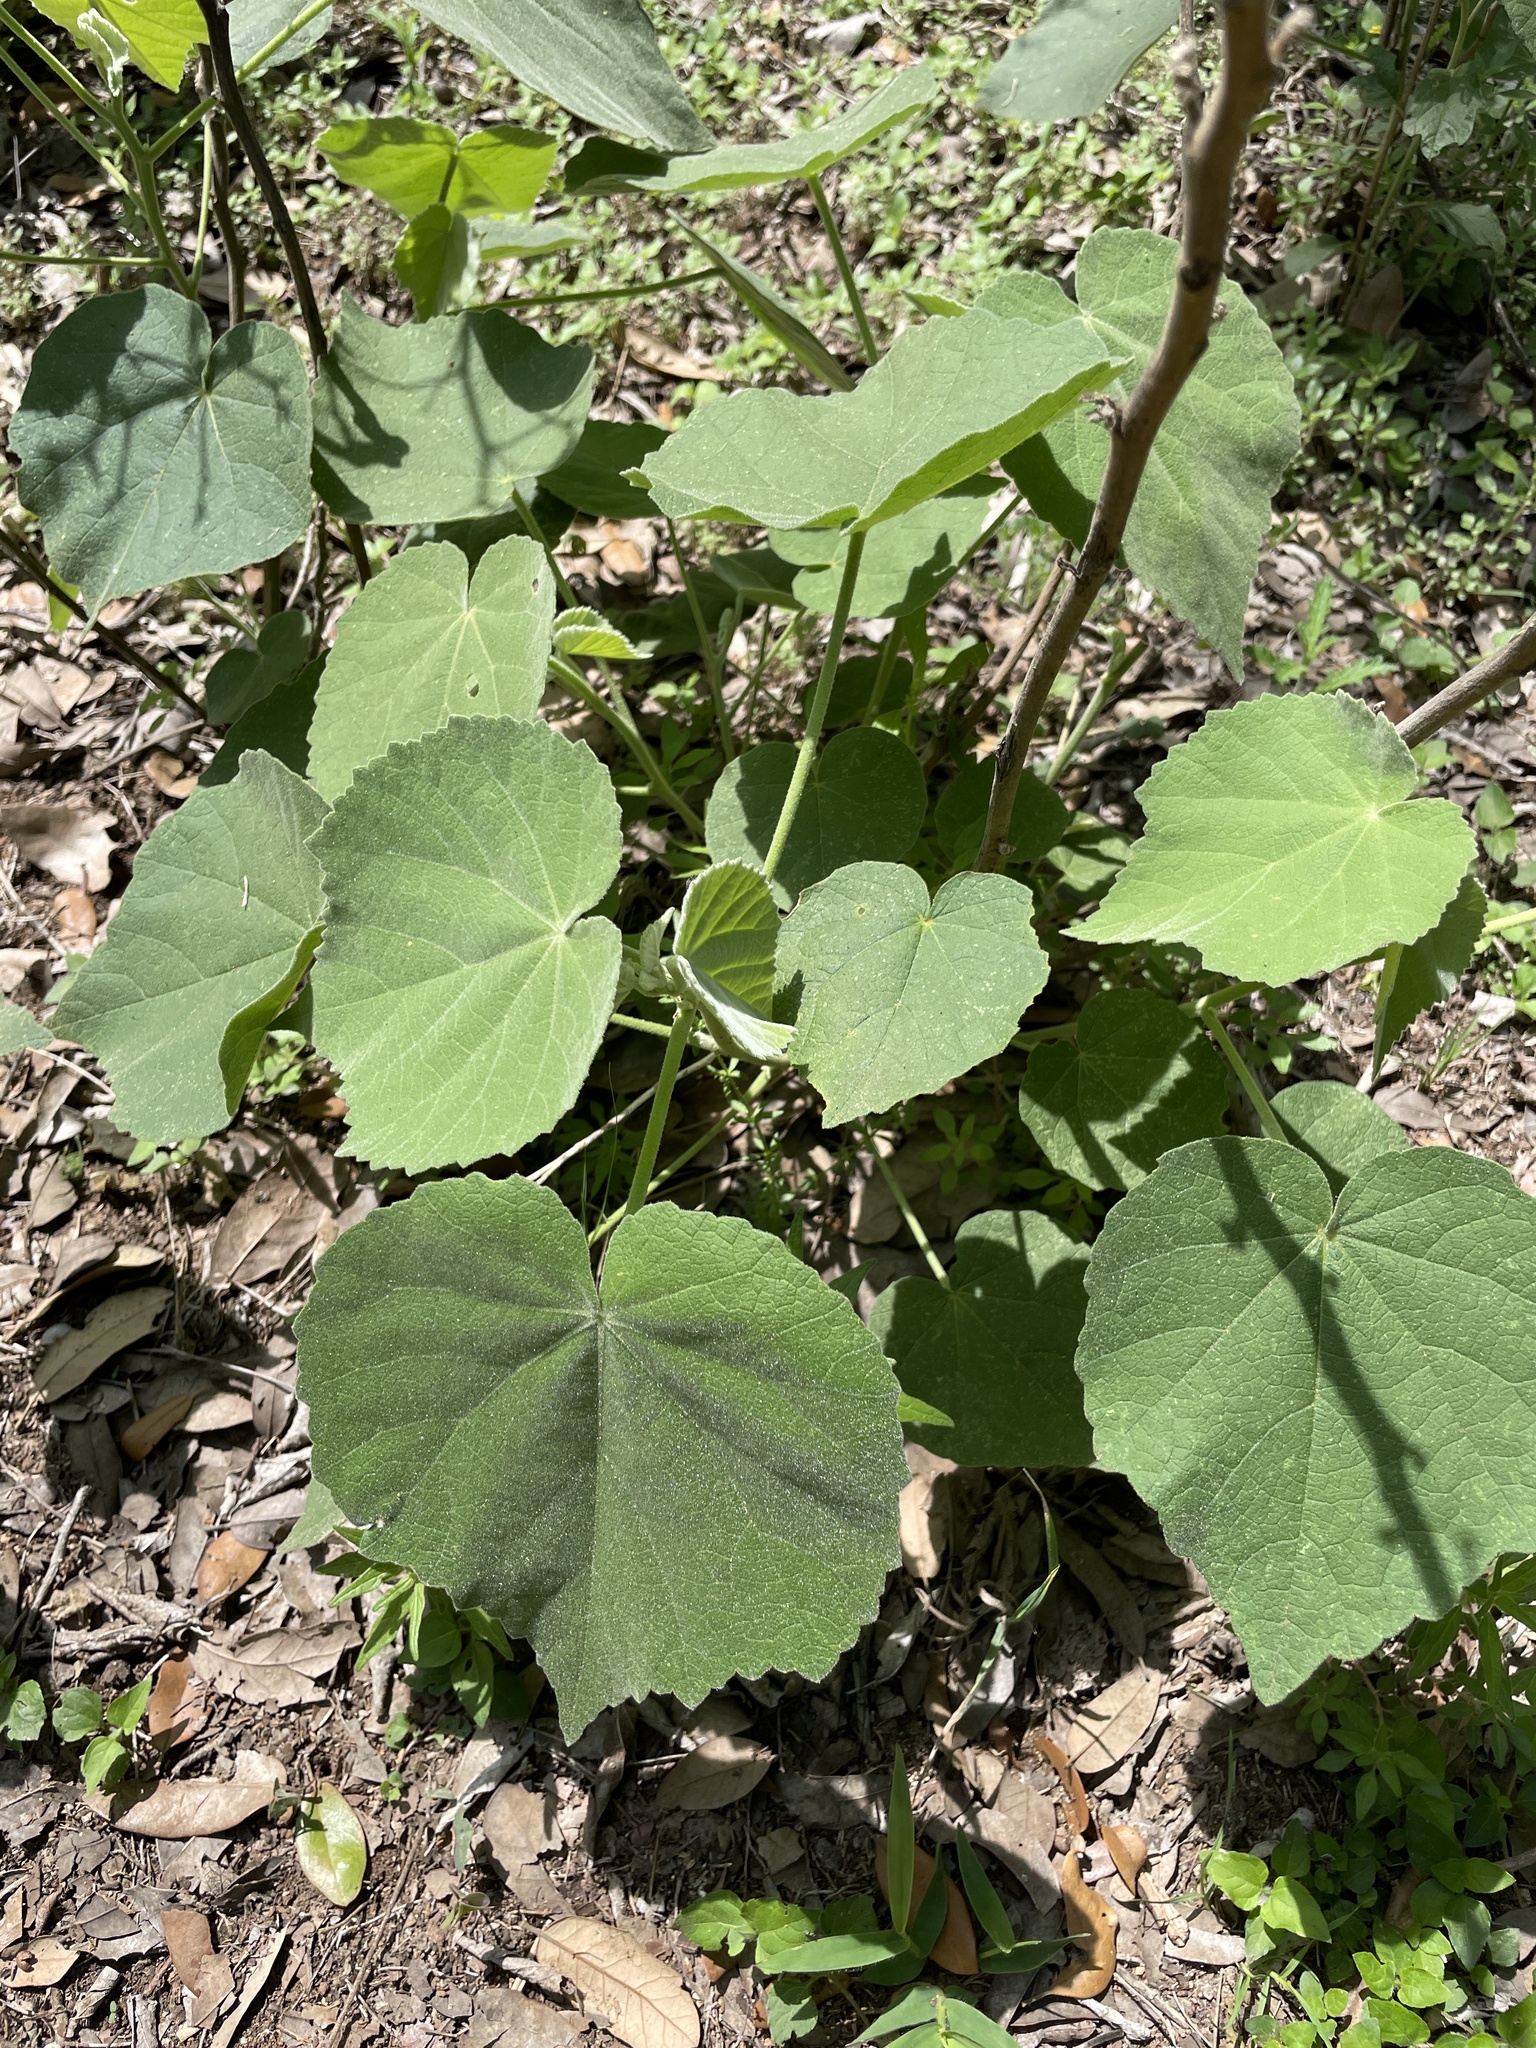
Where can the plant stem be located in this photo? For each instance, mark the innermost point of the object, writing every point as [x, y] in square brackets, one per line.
[909, 1217]
[616, 291]
[885, 668]
[204, 204]
[1249, 72]
[536, 532]
[624, 725]
[640, 1024]
[548, 1172]
[247, 70]
[692, 1151]
[815, 717]
[650, 1144]
[1071, 744]
[1516, 657]
[1268, 1121]
[32, 565]
[1508, 924]
[707, 646]
[844, 268]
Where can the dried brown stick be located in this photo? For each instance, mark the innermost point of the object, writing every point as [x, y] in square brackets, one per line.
[1249, 70]
[30, 565]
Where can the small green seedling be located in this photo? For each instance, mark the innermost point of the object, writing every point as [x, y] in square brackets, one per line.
[106, 1728]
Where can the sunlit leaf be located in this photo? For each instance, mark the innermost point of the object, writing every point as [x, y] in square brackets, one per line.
[437, 259]
[1073, 58]
[773, 309]
[716, 1401]
[592, 477]
[20, 1030]
[1416, 976]
[331, 1846]
[906, 562]
[723, 959]
[588, 635]
[1337, 1126]
[254, 23]
[160, 33]
[412, 165]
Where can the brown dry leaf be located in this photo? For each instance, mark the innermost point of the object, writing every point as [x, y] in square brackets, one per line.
[520, 1824]
[955, 1949]
[1087, 1914]
[27, 689]
[652, 353]
[923, 1509]
[1071, 1783]
[723, 1769]
[226, 1565]
[215, 1409]
[12, 1921]
[642, 1998]
[504, 2018]
[75, 847]
[1111, 1725]
[176, 1811]
[176, 1705]
[171, 776]
[1129, 1851]
[255, 1988]
[145, 1431]
[1115, 1598]
[43, 1964]
[273, 1219]
[109, 1328]
[53, 1193]
[189, 1940]
[216, 1982]
[76, 915]
[278, 1668]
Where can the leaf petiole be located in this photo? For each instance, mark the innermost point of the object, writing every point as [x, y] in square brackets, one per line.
[624, 725]
[844, 268]
[815, 717]
[650, 1144]
[1269, 1122]
[909, 1216]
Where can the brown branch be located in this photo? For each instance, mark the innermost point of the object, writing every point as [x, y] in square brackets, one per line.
[1516, 657]
[1249, 71]
[32, 566]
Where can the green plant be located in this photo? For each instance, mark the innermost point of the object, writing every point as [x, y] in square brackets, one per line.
[107, 1729]
[23, 1710]
[686, 1461]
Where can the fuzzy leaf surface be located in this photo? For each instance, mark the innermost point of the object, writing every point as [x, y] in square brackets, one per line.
[899, 995]
[716, 1401]
[254, 23]
[1073, 58]
[217, 925]
[1337, 1126]
[425, 642]
[1287, 1382]
[993, 1349]
[149, 454]
[277, 724]
[1281, 842]
[865, 801]
[906, 561]
[604, 166]
[1417, 976]
[1141, 1078]
[391, 406]
[244, 674]
[461, 990]
[20, 1030]
[948, 398]
[1202, 511]
[412, 165]
[598, 59]
[437, 259]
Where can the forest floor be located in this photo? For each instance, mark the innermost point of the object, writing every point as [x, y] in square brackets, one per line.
[142, 1503]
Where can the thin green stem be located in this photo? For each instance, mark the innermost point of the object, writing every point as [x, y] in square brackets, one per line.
[148, 195]
[84, 262]
[844, 268]
[990, 530]
[624, 725]
[536, 532]
[615, 291]
[692, 1151]
[884, 669]
[1072, 741]
[707, 646]
[247, 70]
[650, 1144]
[815, 717]
[1269, 1123]
[1045, 1034]
[644, 1024]
[909, 1216]
[204, 205]
[81, 92]
[1508, 924]
[1220, 997]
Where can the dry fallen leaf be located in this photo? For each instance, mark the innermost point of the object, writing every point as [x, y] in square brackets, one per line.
[642, 1999]
[171, 776]
[273, 1219]
[721, 1770]
[43, 1964]
[278, 1668]
[955, 1949]
[75, 847]
[1019, 1828]
[226, 1565]
[1071, 1783]
[520, 1824]
[1090, 1915]
[76, 915]
[12, 1921]
[145, 1431]
[1129, 1852]
[110, 1327]
[1110, 1726]
[189, 1940]
[923, 1510]
[652, 353]
[176, 1705]
[176, 1811]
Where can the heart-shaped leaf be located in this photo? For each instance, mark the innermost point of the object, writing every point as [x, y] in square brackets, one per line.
[460, 989]
[946, 400]
[437, 259]
[150, 455]
[992, 1348]
[596, 58]
[1203, 508]
[897, 995]
[865, 801]
[1415, 977]
[1281, 841]
[159, 33]
[244, 674]
[1073, 58]
[219, 922]
[1339, 1127]
[1287, 1381]
[424, 642]
[1140, 1078]
[723, 960]
[601, 165]
[412, 165]
[906, 561]
[391, 405]
[592, 477]
[714, 1402]
[331, 1846]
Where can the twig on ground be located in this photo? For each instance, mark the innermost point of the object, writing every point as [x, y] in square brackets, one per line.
[388, 1924]
[32, 1605]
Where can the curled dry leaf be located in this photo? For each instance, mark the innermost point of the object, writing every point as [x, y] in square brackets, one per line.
[1111, 1726]
[723, 1769]
[1093, 1917]
[177, 1708]
[276, 1669]
[641, 1998]
[332, 1848]
[175, 1812]
[41, 1964]
[1071, 1783]
[226, 1565]
[955, 1949]
[145, 1431]
[1129, 1852]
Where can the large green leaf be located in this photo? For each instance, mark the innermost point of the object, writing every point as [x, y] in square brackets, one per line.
[149, 455]
[597, 58]
[443, 418]
[412, 165]
[948, 398]
[460, 989]
[992, 1348]
[1038, 821]
[217, 925]
[254, 23]
[1073, 58]
[244, 674]
[1203, 509]
[1141, 1078]
[159, 33]
[276, 724]
[1281, 841]
[604, 166]
[865, 801]
[1337, 1126]
[906, 562]
[1415, 977]
[592, 477]
[689, 1474]
[1332, 1408]
[723, 959]
[424, 642]
[897, 995]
